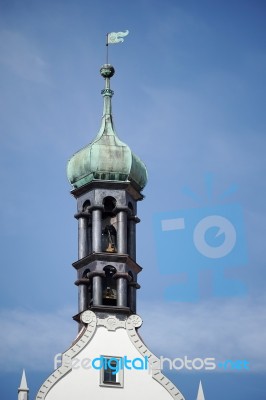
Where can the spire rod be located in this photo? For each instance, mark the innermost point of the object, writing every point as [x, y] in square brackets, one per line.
[107, 47]
[107, 71]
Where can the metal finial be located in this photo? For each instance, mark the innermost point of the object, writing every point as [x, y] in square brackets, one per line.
[107, 71]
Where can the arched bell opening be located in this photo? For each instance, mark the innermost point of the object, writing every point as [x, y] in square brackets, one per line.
[85, 274]
[86, 206]
[109, 286]
[109, 204]
[109, 238]
[109, 225]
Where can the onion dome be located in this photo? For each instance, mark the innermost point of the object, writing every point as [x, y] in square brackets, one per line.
[106, 158]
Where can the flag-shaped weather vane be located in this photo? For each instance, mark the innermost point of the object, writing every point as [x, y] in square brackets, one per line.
[113, 38]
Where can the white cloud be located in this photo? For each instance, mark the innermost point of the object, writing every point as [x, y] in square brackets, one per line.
[234, 329]
[21, 56]
[31, 339]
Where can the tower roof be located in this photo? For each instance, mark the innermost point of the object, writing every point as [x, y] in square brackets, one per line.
[23, 384]
[106, 158]
[200, 395]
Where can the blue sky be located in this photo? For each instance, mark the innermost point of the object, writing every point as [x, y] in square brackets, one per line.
[190, 101]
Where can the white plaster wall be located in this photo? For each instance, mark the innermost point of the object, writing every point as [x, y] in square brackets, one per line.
[83, 384]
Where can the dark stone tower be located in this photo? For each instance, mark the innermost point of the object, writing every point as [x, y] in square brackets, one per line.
[107, 179]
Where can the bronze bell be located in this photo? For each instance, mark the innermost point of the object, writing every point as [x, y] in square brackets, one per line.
[111, 248]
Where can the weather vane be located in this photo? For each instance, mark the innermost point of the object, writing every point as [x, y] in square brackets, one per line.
[113, 38]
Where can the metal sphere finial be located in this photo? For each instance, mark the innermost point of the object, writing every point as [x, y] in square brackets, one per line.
[107, 71]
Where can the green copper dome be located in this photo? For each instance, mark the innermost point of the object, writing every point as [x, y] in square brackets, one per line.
[106, 157]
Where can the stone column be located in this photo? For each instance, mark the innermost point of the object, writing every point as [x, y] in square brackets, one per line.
[122, 232]
[97, 230]
[82, 236]
[97, 287]
[121, 287]
[97, 291]
[133, 220]
[89, 235]
[122, 280]
[133, 295]
[83, 251]
[82, 284]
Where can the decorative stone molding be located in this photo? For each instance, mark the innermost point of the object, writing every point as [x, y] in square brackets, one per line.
[89, 318]
[111, 323]
[133, 322]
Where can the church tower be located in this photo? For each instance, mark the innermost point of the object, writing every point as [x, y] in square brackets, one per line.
[107, 179]
[108, 360]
